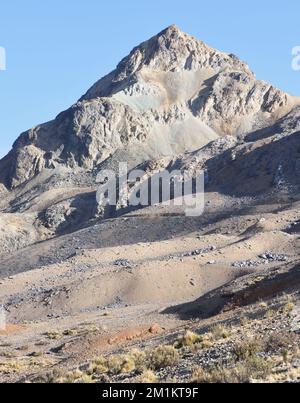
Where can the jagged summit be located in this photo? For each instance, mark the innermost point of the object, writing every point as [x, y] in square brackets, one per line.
[172, 94]
[171, 30]
[171, 50]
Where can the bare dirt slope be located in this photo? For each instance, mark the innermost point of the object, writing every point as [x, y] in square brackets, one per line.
[112, 292]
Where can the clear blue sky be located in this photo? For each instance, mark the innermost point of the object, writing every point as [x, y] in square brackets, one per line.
[57, 49]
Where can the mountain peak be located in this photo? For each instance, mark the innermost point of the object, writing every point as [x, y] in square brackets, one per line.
[171, 29]
[170, 95]
[169, 51]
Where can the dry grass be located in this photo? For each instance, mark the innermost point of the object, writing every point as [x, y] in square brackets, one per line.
[53, 335]
[188, 340]
[161, 357]
[253, 368]
[194, 342]
[75, 377]
[247, 349]
[220, 332]
[17, 366]
[93, 329]
[154, 359]
[281, 341]
[70, 332]
[120, 364]
[289, 307]
[147, 377]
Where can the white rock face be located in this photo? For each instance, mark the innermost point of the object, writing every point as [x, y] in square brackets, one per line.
[172, 94]
[235, 103]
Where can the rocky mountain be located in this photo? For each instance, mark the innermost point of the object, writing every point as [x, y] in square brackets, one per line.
[78, 281]
[173, 100]
[172, 94]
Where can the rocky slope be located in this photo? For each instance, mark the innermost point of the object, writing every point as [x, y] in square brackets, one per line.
[75, 283]
[173, 99]
[172, 94]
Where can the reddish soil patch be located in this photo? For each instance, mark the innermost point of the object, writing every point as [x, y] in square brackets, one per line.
[11, 329]
[93, 346]
[132, 334]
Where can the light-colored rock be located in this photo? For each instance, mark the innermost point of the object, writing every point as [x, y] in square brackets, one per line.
[173, 102]
[172, 94]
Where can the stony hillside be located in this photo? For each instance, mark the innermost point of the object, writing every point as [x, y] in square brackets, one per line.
[172, 98]
[171, 95]
[78, 282]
